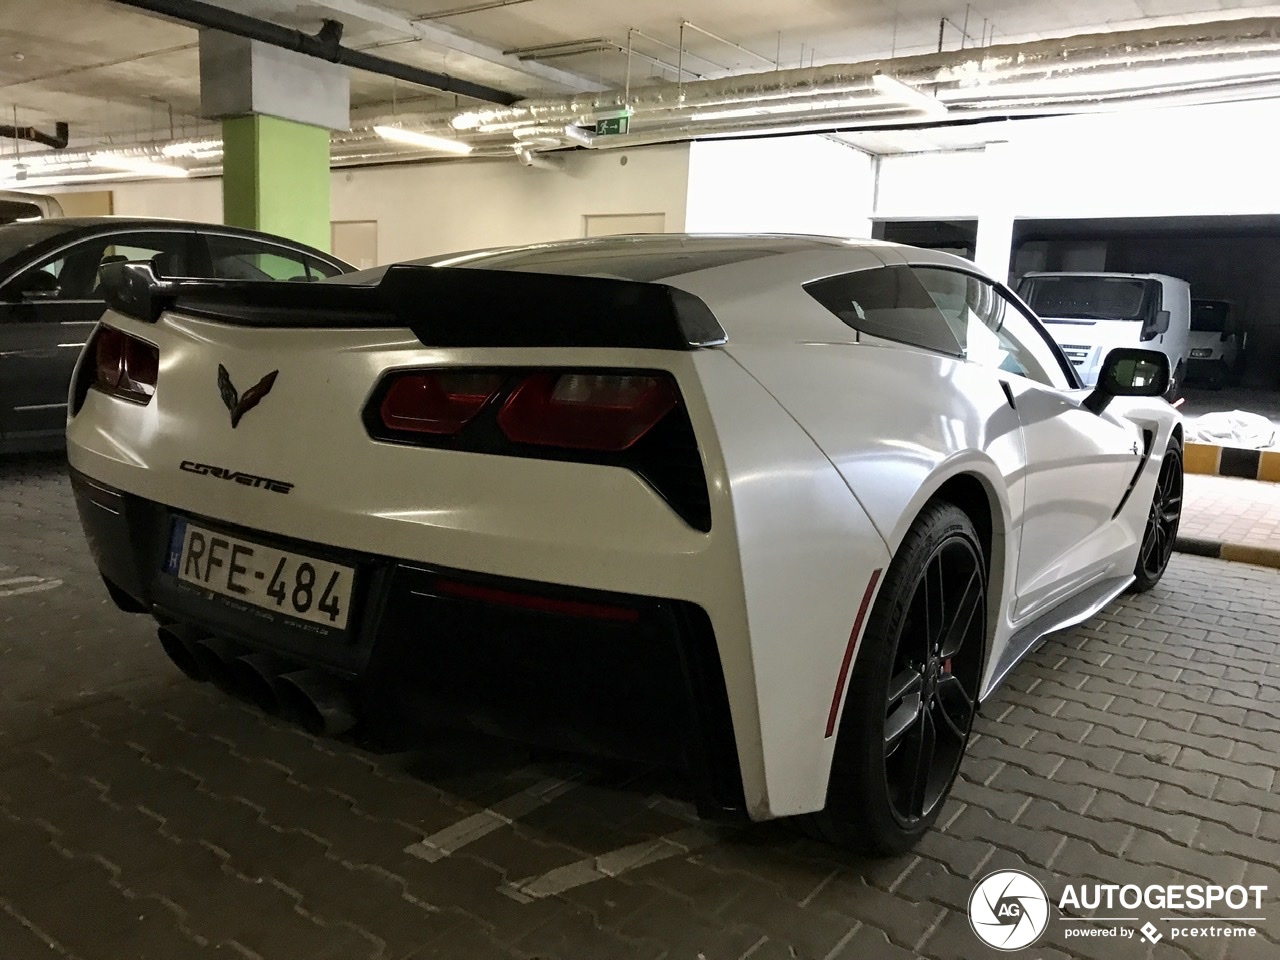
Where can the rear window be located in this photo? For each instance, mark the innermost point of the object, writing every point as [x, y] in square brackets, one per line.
[1209, 316]
[890, 303]
[1089, 298]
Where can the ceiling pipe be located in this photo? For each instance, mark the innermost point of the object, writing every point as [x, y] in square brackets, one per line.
[325, 45]
[539, 161]
[57, 140]
[975, 85]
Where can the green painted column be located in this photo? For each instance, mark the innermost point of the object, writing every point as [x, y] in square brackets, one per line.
[275, 177]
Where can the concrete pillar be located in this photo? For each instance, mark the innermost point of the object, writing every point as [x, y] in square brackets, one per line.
[277, 108]
[275, 177]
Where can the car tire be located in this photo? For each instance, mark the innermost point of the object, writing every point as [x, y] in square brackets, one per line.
[913, 691]
[1175, 383]
[1161, 531]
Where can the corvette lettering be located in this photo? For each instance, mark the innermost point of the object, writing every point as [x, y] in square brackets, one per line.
[247, 479]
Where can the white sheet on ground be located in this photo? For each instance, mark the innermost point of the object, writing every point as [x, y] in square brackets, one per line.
[1234, 428]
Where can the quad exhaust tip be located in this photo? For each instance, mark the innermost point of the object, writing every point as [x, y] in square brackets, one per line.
[214, 657]
[254, 676]
[319, 703]
[178, 643]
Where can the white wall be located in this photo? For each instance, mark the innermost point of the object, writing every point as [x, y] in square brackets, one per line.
[933, 186]
[1187, 161]
[423, 209]
[807, 184]
[181, 199]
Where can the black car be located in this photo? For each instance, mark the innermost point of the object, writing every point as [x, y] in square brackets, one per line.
[50, 301]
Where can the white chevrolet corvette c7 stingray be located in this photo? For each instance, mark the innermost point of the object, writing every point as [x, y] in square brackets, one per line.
[779, 510]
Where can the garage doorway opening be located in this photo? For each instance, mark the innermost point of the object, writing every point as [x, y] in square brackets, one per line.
[1224, 258]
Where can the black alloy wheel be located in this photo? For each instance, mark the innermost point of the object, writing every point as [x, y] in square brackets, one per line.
[933, 690]
[1162, 522]
[913, 692]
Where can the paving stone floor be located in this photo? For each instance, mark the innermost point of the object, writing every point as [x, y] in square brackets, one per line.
[1231, 510]
[145, 816]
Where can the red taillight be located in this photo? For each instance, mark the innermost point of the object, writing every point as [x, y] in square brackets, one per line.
[126, 366]
[440, 403]
[109, 354]
[586, 411]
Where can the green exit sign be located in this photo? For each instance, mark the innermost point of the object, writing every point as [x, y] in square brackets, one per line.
[612, 126]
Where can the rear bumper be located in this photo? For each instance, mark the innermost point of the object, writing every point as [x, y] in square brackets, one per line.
[600, 672]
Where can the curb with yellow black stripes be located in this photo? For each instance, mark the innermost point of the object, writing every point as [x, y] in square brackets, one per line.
[1215, 461]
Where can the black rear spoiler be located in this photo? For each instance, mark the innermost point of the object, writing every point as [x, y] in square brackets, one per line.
[443, 306]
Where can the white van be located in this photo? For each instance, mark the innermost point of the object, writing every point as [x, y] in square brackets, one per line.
[18, 205]
[1217, 342]
[1088, 314]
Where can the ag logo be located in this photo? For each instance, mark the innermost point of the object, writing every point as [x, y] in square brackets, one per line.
[1008, 910]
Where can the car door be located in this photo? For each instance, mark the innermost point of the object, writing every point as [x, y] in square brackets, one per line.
[47, 311]
[1080, 465]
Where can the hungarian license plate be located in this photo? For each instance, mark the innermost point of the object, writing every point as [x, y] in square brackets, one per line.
[293, 584]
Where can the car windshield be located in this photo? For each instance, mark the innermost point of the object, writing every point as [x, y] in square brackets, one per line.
[16, 237]
[1209, 316]
[1087, 298]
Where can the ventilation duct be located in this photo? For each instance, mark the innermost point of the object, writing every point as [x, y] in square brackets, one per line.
[1231, 60]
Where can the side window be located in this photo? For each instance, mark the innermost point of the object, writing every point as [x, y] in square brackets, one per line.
[72, 274]
[49, 280]
[241, 258]
[167, 252]
[320, 270]
[990, 329]
[890, 303]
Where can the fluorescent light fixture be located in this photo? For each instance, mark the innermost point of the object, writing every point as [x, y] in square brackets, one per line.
[740, 113]
[139, 165]
[193, 149]
[893, 89]
[1137, 78]
[416, 139]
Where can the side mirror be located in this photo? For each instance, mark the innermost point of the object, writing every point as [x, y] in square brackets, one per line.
[54, 294]
[1155, 326]
[1129, 372]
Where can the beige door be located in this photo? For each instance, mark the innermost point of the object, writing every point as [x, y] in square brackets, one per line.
[355, 241]
[87, 203]
[612, 224]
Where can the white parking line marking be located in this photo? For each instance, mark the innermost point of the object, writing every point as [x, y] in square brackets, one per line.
[612, 864]
[452, 839]
[19, 585]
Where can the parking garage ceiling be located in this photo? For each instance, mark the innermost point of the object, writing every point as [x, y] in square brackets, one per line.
[119, 76]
